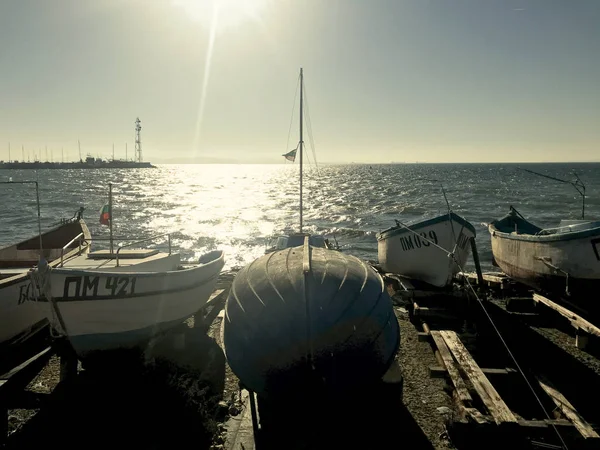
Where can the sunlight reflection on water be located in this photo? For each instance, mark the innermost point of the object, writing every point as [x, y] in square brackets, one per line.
[237, 207]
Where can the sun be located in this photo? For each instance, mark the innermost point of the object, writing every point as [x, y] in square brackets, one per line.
[227, 13]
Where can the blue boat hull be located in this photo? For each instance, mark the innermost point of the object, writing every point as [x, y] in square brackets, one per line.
[292, 330]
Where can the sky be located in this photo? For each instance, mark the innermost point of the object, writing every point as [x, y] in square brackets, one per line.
[386, 80]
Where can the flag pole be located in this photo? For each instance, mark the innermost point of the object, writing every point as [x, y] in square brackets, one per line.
[110, 220]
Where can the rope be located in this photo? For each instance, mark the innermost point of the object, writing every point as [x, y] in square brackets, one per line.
[292, 115]
[514, 359]
[42, 290]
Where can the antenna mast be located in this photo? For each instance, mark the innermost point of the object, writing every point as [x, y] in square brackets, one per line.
[138, 141]
[300, 144]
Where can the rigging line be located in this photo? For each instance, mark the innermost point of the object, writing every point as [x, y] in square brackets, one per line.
[309, 126]
[514, 359]
[292, 118]
[539, 401]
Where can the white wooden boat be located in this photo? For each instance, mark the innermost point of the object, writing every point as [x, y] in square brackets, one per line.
[110, 300]
[308, 319]
[104, 303]
[564, 260]
[410, 251]
[20, 315]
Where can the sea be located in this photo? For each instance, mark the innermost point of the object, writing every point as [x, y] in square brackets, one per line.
[240, 208]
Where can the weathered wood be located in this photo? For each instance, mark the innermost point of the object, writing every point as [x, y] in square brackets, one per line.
[425, 311]
[454, 374]
[498, 279]
[14, 381]
[20, 376]
[423, 336]
[216, 302]
[240, 432]
[545, 423]
[575, 320]
[440, 372]
[476, 261]
[490, 397]
[581, 340]
[584, 428]
[436, 352]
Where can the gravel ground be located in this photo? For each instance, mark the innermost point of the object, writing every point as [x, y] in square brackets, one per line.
[193, 385]
[423, 395]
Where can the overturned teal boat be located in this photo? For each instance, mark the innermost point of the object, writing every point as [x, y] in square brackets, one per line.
[306, 318]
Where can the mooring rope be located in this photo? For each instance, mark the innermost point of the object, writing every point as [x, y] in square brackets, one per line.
[40, 282]
[514, 359]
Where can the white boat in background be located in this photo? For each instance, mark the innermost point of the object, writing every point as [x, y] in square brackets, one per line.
[409, 249]
[109, 300]
[564, 260]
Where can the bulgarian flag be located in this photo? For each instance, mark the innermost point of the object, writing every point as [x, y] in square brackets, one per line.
[290, 156]
[105, 214]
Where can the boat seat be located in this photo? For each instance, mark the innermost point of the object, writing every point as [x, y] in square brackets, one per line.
[123, 254]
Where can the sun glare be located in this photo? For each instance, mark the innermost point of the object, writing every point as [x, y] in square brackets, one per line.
[230, 13]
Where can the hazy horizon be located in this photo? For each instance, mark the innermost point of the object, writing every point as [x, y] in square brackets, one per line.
[214, 81]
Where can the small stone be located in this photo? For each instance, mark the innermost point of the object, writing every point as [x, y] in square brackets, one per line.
[223, 405]
[443, 410]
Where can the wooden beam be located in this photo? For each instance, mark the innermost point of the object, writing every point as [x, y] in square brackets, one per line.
[584, 428]
[22, 374]
[490, 397]
[457, 381]
[439, 371]
[576, 320]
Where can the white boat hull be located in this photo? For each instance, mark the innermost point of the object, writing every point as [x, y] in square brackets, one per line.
[119, 310]
[563, 261]
[415, 256]
[19, 312]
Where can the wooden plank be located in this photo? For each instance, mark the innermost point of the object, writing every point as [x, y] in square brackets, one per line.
[439, 371]
[24, 372]
[576, 320]
[490, 397]
[457, 381]
[545, 423]
[216, 301]
[240, 430]
[584, 428]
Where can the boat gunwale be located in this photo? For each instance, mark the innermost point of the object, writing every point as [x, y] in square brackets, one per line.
[542, 238]
[396, 230]
[75, 251]
[99, 272]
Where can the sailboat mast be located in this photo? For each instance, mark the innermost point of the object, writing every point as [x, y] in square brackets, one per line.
[301, 144]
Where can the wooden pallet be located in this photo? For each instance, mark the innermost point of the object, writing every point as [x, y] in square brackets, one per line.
[457, 364]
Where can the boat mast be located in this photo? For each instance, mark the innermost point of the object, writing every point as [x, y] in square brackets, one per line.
[300, 145]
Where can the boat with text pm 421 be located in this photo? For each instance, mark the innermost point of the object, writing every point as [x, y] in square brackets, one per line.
[118, 299]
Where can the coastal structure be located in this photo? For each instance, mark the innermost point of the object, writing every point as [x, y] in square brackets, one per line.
[89, 162]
